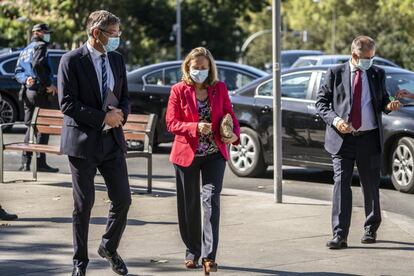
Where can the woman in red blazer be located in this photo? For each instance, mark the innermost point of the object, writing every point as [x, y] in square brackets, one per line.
[195, 109]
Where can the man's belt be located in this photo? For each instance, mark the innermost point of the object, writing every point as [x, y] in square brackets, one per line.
[360, 133]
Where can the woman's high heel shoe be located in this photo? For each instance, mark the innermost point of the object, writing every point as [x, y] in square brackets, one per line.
[190, 264]
[209, 266]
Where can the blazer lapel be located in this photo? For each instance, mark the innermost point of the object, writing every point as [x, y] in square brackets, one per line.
[192, 101]
[346, 80]
[87, 64]
[371, 75]
[211, 90]
[114, 68]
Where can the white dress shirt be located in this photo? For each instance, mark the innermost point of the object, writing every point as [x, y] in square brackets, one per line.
[368, 121]
[97, 63]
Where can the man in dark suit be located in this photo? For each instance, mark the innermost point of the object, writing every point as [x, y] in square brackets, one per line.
[351, 102]
[92, 135]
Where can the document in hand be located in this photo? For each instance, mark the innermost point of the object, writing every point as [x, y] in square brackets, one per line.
[110, 100]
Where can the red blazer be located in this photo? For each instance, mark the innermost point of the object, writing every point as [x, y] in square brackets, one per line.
[182, 120]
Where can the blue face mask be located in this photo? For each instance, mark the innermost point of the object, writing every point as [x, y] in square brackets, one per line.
[46, 38]
[365, 63]
[112, 45]
[199, 76]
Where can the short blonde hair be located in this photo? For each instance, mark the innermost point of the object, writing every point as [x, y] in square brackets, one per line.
[195, 53]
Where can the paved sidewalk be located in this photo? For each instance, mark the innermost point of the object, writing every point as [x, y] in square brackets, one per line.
[258, 237]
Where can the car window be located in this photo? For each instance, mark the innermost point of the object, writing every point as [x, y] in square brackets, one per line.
[395, 82]
[233, 79]
[55, 63]
[266, 89]
[381, 62]
[155, 78]
[304, 62]
[295, 85]
[172, 76]
[10, 65]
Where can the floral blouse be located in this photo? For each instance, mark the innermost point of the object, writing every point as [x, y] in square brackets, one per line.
[206, 144]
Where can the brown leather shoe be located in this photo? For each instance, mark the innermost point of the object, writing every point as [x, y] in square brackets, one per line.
[190, 264]
[209, 266]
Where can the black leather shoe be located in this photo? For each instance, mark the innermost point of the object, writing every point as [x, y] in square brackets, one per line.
[77, 271]
[369, 237]
[24, 168]
[337, 243]
[47, 168]
[117, 264]
[6, 216]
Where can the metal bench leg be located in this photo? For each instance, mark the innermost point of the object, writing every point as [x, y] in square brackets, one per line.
[1, 166]
[149, 167]
[34, 166]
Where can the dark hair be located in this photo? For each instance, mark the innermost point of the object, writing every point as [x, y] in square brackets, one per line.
[361, 44]
[101, 20]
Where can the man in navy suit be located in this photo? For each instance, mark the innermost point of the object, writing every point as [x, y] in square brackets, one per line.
[92, 135]
[351, 102]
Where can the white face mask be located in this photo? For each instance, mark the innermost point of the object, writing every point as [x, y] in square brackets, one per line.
[199, 76]
[46, 38]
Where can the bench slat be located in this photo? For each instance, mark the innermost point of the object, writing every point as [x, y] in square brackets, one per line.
[134, 126]
[134, 136]
[49, 130]
[49, 121]
[50, 113]
[33, 147]
[138, 118]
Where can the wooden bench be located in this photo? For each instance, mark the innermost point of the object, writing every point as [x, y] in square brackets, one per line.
[48, 121]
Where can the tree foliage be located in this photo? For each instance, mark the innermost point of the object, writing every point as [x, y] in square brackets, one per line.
[221, 25]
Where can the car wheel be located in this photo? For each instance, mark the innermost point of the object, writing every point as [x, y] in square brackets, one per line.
[8, 111]
[402, 165]
[246, 159]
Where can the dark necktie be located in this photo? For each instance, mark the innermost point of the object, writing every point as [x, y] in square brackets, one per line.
[104, 77]
[355, 116]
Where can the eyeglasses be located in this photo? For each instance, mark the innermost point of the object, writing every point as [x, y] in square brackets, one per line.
[111, 34]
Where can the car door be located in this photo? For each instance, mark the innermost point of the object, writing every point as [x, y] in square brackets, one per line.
[317, 154]
[295, 88]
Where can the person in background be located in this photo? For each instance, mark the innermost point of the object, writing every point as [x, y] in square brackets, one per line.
[6, 216]
[195, 109]
[351, 102]
[33, 71]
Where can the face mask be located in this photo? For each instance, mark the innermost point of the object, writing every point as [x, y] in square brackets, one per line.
[46, 38]
[112, 45]
[199, 76]
[365, 63]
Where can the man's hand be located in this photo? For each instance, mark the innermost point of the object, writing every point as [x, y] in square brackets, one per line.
[114, 117]
[404, 94]
[344, 127]
[51, 90]
[204, 128]
[30, 81]
[230, 140]
[394, 105]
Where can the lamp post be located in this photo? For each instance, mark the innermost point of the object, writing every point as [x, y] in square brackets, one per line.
[178, 30]
[277, 114]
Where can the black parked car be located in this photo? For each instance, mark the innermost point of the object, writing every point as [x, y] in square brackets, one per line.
[303, 131]
[149, 88]
[11, 109]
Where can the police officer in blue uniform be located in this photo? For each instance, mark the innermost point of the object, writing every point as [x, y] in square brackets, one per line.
[34, 72]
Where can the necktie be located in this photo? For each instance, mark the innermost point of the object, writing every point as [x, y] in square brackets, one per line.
[104, 77]
[355, 116]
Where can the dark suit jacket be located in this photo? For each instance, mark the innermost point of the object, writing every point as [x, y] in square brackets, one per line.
[81, 103]
[334, 99]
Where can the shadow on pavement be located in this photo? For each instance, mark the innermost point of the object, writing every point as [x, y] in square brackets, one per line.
[278, 272]
[94, 220]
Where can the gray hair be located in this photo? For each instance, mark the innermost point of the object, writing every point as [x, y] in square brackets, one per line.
[101, 20]
[361, 44]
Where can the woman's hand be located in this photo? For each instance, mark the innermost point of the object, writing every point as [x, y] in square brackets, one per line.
[204, 128]
[230, 140]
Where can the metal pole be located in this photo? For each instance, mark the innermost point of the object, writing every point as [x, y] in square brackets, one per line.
[29, 23]
[333, 29]
[277, 114]
[178, 37]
